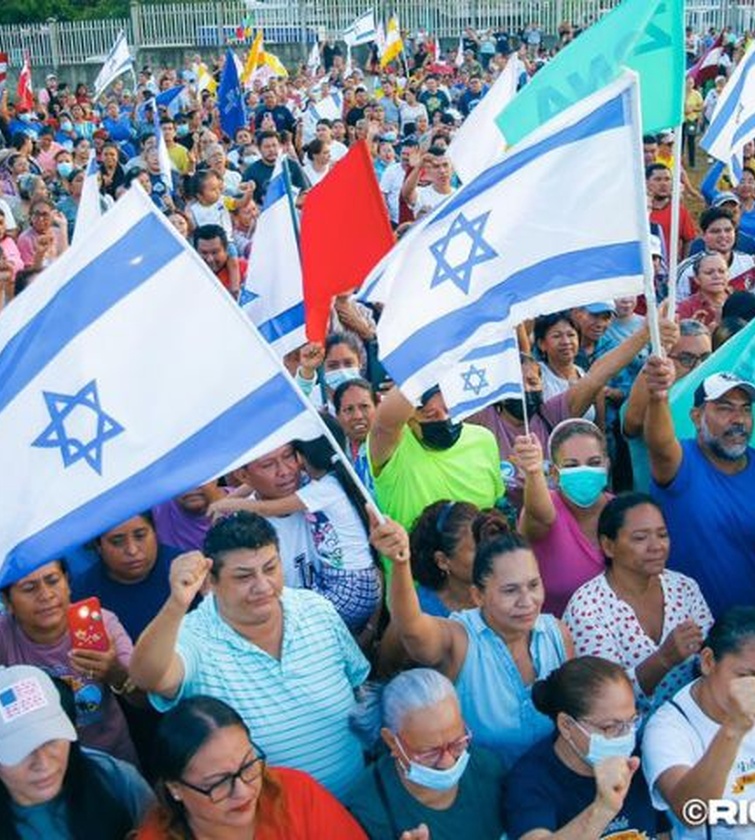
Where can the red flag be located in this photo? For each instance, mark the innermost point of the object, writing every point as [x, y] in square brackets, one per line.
[24, 91]
[706, 67]
[3, 69]
[345, 232]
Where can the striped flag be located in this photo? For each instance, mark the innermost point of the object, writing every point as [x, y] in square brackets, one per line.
[733, 122]
[272, 294]
[163, 155]
[394, 46]
[3, 69]
[91, 428]
[362, 30]
[24, 89]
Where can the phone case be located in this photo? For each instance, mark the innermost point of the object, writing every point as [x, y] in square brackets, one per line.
[86, 626]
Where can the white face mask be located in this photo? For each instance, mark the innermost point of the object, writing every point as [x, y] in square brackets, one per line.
[334, 378]
[431, 777]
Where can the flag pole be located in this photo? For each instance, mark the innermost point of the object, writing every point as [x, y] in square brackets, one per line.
[521, 382]
[676, 197]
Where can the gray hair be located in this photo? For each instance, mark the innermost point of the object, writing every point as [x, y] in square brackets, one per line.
[689, 326]
[388, 705]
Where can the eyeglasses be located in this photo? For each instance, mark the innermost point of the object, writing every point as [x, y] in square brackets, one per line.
[223, 789]
[690, 360]
[615, 728]
[432, 757]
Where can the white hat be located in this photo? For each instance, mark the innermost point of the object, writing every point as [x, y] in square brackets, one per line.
[713, 387]
[30, 713]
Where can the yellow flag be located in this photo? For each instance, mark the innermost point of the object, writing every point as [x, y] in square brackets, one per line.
[274, 63]
[253, 59]
[394, 46]
[205, 81]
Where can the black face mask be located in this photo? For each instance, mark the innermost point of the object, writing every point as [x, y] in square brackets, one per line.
[533, 400]
[440, 434]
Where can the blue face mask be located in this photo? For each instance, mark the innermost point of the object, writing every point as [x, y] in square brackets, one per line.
[582, 485]
[25, 117]
[64, 169]
[431, 777]
[182, 130]
[601, 747]
[66, 125]
[333, 378]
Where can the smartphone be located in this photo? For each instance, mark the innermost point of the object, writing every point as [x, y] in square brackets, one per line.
[86, 626]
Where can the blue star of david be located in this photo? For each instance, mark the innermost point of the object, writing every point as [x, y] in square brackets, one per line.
[475, 380]
[247, 296]
[55, 436]
[479, 252]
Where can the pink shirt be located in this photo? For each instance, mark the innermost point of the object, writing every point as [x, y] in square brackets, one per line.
[100, 721]
[567, 558]
[12, 254]
[27, 245]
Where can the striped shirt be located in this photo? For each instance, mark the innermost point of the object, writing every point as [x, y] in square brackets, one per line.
[297, 706]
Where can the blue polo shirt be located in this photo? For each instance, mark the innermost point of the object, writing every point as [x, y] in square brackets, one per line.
[296, 707]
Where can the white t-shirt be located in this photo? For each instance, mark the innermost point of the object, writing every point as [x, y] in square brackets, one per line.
[214, 214]
[337, 531]
[428, 198]
[673, 740]
[390, 186]
[337, 151]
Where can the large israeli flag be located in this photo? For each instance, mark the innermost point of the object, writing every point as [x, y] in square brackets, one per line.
[733, 122]
[560, 221]
[272, 295]
[111, 398]
[362, 30]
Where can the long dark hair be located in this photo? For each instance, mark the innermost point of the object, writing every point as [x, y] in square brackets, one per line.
[92, 806]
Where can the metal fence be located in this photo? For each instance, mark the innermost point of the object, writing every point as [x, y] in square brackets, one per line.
[213, 23]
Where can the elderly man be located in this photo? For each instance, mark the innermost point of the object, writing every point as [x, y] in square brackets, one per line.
[281, 657]
[706, 485]
[431, 776]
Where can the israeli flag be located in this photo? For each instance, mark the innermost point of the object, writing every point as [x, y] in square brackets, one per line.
[272, 295]
[559, 222]
[486, 374]
[90, 207]
[109, 399]
[733, 122]
[362, 30]
[117, 62]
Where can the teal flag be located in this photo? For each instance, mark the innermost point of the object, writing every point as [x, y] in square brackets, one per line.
[646, 36]
[736, 356]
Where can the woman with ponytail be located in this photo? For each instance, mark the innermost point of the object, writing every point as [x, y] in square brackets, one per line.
[583, 784]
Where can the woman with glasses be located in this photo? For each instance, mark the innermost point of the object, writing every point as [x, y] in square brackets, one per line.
[700, 745]
[584, 783]
[213, 782]
[639, 614]
[431, 775]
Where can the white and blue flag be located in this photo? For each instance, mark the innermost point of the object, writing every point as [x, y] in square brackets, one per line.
[732, 124]
[361, 31]
[272, 295]
[486, 374]
[117, 62]
[109, 399]
[559, 222]
[90, 207]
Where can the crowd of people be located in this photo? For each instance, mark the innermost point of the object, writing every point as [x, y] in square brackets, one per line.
[551, 628]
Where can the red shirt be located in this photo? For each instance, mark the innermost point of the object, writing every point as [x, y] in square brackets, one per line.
[687, 229]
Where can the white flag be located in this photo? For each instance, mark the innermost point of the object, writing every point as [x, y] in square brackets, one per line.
[313, 62]
[90, 207]
[272, 295]
[501, 249]
[110, 404]
[117, 63]
[362, 31]
[478, 144]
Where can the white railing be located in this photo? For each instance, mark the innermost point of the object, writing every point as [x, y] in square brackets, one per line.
[213, 23]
